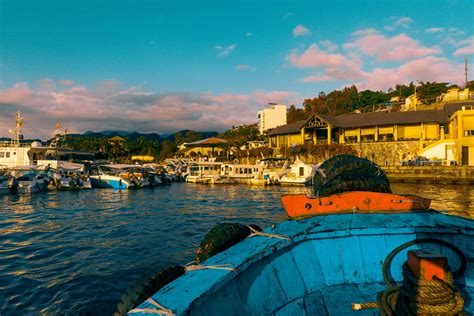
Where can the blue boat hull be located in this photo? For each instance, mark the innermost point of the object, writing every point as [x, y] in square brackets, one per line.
[331, 262]
[112, 183]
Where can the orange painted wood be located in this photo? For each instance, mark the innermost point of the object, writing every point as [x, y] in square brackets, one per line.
[426, 264]
[300, 205]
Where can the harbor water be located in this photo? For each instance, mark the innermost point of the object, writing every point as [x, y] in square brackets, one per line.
[72, 253]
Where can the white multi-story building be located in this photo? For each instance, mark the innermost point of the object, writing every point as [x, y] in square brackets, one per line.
[271, 116]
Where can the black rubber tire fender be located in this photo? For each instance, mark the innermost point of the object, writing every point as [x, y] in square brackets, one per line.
[327, 166]
[145, 287]
[356, 166]
[221, 237]
[345, 183]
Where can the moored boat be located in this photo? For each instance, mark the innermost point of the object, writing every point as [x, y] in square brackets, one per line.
[273, 170]
[117, 176]
[360, 256]
[300, 173]
[208, 172]
[319, 266]
[31, 179]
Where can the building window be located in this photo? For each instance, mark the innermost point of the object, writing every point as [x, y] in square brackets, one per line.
[2, 154]
[469, 133]
[8, 154]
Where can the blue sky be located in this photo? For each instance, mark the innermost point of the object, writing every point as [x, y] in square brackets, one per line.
[166, 65]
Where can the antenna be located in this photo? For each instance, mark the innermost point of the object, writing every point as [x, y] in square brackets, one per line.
[465, 69]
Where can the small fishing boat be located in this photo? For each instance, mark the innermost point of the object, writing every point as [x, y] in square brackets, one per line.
[66, 176]
[300, 173]
[117, 176]
[362, 262]
[208, 172]
[241, 172]
[31, 179]
[273, 170]
[319, 266]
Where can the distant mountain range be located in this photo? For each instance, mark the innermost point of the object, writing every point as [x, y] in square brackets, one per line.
[148, 136]
[131, 135]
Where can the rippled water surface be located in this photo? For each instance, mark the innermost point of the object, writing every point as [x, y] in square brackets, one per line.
[77, 252]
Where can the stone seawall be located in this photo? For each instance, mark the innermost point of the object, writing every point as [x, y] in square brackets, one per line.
[430, 174]
[388, 153]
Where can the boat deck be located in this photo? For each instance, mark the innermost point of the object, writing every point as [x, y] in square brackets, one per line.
[329, 263]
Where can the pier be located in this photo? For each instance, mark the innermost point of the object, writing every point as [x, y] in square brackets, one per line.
[430, 174]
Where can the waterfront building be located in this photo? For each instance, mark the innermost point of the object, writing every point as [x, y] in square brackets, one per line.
[386, 137]
[209, 147]
[271, 116]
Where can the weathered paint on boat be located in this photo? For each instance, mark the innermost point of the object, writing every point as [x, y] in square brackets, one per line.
[300, 205]
[330, 262]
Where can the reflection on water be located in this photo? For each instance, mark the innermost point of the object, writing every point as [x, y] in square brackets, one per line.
[76, 252]
[454, 199]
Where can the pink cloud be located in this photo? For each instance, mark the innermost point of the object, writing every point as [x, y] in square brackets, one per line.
[468, 47]
[396, 48]
[335, 66]
[111, 106]
[428, 68]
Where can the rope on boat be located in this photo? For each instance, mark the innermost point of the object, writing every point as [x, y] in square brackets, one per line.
[159, 310]
[255, 232]
[194, 266]
[417, 296]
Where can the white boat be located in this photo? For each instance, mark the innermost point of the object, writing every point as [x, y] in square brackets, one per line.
[241, 172]
[273, 170]
[204, 172]
[119, 176]
[300, 173]
[67, 175]
[14, 153]
[31, 179]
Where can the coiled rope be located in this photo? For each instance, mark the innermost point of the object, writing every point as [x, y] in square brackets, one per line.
[417, 296]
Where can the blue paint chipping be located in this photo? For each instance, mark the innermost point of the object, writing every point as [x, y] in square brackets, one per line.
[331, 262]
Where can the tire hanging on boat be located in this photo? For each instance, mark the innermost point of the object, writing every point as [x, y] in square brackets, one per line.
[350, 182]
[221, 237]
[357, 166]
[145, 287]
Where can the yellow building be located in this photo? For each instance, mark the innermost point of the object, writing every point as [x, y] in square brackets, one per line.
[455, 122]
[461, 129]
[455, 94]
[209, 147]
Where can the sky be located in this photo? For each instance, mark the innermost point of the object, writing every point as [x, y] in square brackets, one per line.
[163, 66]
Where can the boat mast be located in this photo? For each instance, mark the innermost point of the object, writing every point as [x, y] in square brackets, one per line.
[15, 140]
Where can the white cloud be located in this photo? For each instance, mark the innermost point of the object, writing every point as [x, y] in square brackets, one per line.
[300, 30]
[330, 46]
[403, 21]
[225, 51]
[434, 30]
[248, 34]
[288, 15]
